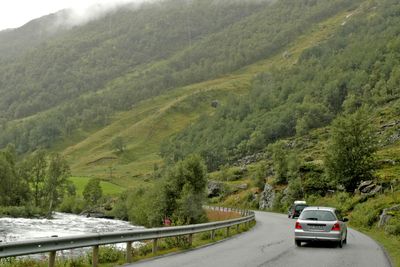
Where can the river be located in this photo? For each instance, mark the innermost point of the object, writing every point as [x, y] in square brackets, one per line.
[62, 224]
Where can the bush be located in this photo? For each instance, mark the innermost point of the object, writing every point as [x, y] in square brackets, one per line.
[108, 254]
[393, 227]
[279, 204]
[366, 214]
[21, 212]
[72, 204]
[177, 241]
[76, 262]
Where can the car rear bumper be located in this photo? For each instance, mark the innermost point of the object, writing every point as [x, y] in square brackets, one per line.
[301, 235]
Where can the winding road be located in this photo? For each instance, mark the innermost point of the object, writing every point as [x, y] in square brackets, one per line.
[270, 243]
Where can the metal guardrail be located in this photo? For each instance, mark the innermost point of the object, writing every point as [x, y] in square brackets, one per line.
[53, 244]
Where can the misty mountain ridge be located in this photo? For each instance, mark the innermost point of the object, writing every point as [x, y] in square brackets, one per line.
[15, 41]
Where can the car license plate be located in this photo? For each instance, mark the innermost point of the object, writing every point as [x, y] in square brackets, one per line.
[316, 227]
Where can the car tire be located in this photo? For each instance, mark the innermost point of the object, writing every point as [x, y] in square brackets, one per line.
[298, 243]
[345, 240]
[340, 244]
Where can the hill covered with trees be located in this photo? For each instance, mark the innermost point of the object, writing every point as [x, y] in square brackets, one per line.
[78, 78]
[357, 66]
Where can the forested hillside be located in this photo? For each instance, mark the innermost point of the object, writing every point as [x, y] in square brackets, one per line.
[75, 81]
[59, 72]
[358, 65]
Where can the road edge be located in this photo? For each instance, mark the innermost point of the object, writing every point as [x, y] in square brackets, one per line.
[384, 250]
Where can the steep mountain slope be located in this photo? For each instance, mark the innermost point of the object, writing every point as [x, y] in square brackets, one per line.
[357, 66]
[146, 126]
[77, 81]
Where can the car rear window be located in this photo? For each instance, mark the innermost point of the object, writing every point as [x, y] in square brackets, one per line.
[300, 207]
[317, 215]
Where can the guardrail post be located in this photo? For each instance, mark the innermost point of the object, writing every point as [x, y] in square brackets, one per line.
[227, 231]
[129, 252]
[212, 235]
[52, 259]
[155, 240]
[237, 228]
[190, 240]
[95, 256]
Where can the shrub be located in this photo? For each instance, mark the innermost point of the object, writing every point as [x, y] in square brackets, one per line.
[108, 254]
[76, 262]
[72, 204]
[393, 227]
[21, 212]
[366, 214]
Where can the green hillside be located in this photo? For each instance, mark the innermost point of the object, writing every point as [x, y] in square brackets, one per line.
[148, 124]
[77, 81]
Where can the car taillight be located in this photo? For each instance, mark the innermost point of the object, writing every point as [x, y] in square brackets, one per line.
[336, 227]
[298, 226]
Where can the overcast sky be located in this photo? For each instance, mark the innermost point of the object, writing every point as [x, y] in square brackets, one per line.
[15, 13]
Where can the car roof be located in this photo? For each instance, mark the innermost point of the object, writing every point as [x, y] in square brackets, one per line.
[320, 208]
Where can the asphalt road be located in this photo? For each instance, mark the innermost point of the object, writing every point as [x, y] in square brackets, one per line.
[271, 243]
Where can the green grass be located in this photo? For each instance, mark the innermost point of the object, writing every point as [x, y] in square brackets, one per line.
[108, 188]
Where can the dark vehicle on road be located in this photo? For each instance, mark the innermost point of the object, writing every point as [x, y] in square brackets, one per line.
[320, 224]
[296, 208]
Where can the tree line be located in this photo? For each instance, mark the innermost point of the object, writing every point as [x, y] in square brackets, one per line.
[38, 182]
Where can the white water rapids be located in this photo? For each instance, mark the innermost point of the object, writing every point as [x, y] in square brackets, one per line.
[16, 229]
[62, 225]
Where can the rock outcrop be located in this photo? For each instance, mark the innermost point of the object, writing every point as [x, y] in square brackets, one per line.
[267, 197]
[386, 215]
[368, 188]
[214, 189]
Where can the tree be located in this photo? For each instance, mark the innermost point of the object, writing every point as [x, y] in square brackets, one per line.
[350, 153]
[14, 188]
[188, 179]
[118, 144]
[183, 192]
[259, 177]
[92, 192]
[280, 162]
[7, 175]
[38, 165]
[56, 181]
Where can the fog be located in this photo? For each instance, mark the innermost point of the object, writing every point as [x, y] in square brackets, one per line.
[16, 13]
[82, 14]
